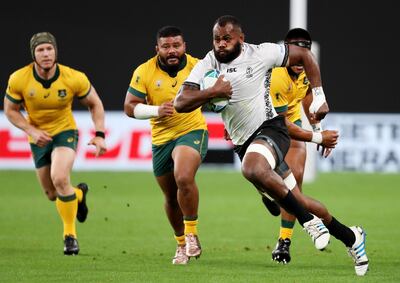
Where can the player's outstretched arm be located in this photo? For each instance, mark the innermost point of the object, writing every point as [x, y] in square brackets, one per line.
[327, 138]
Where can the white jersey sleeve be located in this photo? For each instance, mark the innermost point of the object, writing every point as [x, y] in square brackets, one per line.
[198, 71]
[272, 54]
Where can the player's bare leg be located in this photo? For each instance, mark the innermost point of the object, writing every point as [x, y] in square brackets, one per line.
[174, 215]
[187, 161]
[66, 202]
[43, 175]
[172, 209]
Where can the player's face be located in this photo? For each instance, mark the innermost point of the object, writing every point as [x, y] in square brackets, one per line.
[227, 42]
[171, 50]
[45, 56]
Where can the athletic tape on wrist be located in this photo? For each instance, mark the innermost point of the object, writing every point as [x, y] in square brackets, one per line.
[144, 111]
[264, 151]
[316, 137]
[318, 99]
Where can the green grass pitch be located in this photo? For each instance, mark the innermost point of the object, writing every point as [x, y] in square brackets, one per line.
[127, 238]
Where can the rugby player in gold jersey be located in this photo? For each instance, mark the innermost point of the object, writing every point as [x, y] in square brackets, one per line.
[45, 89]
[179, 140]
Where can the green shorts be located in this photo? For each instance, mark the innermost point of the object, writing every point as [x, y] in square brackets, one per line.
[162, 154]
[42, 155]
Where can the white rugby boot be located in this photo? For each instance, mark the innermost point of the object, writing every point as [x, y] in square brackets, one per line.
[180, 256]
[357, 251]
[318, 232]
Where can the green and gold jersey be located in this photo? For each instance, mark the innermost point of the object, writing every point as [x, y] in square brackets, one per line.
[287, 94]
[150, 82]
[48, 103]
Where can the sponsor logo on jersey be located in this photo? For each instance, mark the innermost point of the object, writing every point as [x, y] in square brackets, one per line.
[46, 95]
[158, 83]
[196, 142]
[70, 139]
[249, 72]
[62, 93]
[231, 70]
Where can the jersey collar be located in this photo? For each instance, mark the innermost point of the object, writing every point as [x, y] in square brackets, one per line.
[46, 83]
[291, 73]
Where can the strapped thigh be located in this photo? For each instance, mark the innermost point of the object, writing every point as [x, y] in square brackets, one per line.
[278, 152]
[281, 166]
[264, 151]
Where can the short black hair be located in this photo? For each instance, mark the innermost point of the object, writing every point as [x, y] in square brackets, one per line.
[168, 31]
[229, 19]
[298, 33]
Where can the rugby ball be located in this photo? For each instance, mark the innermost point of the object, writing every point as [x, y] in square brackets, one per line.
[219, 103]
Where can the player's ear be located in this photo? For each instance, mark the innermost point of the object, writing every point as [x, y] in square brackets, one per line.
[157, 49]
[241, 37]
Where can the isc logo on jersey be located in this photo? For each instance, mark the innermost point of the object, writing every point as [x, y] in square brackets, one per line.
[216, 104]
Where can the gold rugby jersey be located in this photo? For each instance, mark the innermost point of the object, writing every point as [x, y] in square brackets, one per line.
[48, 103]
[287, 94]
[155, 85]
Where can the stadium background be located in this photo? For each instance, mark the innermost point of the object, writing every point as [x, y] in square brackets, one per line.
[127, 238]
[107, 41]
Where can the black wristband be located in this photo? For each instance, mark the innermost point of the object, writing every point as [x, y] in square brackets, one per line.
[100, 134]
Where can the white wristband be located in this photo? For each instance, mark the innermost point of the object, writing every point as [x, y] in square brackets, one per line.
[144, 111]
[318, 99]
[317, 128]
[316, 138]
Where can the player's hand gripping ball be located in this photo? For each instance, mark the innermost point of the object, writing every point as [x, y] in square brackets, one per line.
[216, 104]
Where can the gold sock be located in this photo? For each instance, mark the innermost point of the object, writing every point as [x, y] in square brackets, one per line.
[180, 240]
[79, 194]
[286, 233]
[67, 207]
[190, 226]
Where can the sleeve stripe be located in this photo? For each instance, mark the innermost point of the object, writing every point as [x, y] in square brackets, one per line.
[137, 93]
[83, 96]
[285, 59]
[191, 84]
[17, 101]
[281, 108]
[298, 122]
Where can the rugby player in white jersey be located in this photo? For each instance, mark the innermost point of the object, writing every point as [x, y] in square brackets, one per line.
[260, 135]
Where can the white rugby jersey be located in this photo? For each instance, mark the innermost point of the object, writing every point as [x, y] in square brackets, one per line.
[250, 104]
